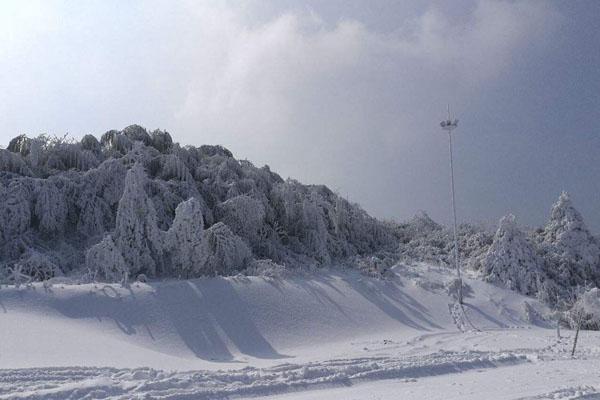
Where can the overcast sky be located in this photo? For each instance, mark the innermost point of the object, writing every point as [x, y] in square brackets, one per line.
[344, 93]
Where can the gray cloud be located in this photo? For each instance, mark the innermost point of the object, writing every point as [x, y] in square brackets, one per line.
[335, 102]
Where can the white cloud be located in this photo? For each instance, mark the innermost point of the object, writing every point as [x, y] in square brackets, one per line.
[335, 103]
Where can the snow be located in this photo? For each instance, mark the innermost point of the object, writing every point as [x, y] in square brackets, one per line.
[327, 334]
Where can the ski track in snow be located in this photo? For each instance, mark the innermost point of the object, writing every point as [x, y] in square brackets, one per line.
[111, 383]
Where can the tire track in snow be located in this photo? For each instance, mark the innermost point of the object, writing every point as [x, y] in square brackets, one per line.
[112, 383]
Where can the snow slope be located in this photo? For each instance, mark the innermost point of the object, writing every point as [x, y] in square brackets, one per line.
[251, 336]
[225, 322]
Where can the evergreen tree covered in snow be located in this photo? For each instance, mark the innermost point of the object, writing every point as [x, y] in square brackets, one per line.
[572, 253]
[512, 260]
[136, 233]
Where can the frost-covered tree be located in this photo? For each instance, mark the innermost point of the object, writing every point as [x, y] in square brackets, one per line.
[137, 133]
[172, 167]
[187, 252]
[571, 252]
[422, 224]
[94, 213]
[245, 216]
[512, 260]
[115, 143]
[301, 214]
[136, 233]
[90, 143]
[15, 209]
[104, 260]
[227, 253]
[13, 162]
[162, 141]
[50, 207]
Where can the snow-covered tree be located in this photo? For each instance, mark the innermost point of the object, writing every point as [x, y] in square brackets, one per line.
[572, 253]
[50, 207]
[13, 162]
[184, 241]
[94, 213]
[422, 224]
[136, 233]
[512, 260]
[116, 143]
[172, 167]
[90, 143]
[15, 209]
[227, 252]
[137, 133]
[104, 260]
[245, 216]
[162, 141]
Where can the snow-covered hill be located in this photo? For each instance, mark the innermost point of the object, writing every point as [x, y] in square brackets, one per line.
[249, 336]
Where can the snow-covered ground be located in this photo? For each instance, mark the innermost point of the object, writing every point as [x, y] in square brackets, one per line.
[326, 335]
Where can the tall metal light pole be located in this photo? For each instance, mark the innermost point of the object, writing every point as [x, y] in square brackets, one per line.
[449, 125]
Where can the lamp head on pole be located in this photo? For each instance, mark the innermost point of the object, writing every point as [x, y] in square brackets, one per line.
[450, 123]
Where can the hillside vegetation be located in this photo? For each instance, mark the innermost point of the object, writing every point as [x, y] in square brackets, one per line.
[134, 204]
